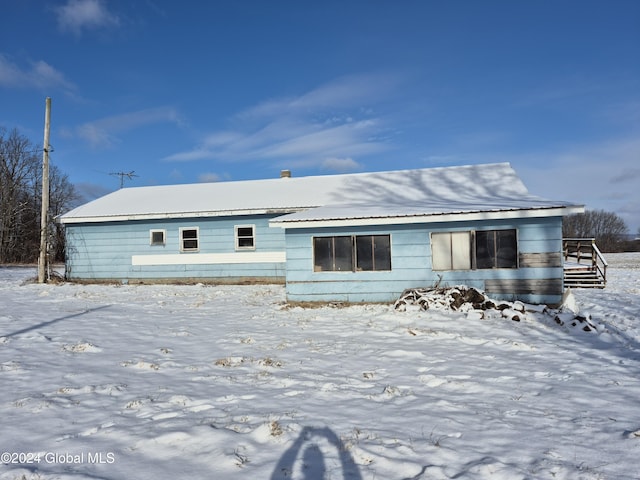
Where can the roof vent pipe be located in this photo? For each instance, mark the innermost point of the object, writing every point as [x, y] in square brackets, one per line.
[285, 173]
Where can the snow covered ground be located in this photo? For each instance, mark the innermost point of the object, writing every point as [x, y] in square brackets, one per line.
[228, 382]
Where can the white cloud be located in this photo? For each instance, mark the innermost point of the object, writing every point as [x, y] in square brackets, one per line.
[95, 135]
[347, 139]
[38, 75]
[78, 15]
[342, 93]
[341, 165]
[102, 132]
[334, 120]
[208, 177]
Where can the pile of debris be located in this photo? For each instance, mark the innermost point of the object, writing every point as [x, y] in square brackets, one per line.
[475, 302]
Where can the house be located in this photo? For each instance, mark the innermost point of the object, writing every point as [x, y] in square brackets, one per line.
[361, 237]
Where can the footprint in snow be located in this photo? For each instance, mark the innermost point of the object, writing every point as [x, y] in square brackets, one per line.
[81, 348]
[141, 365]
[432, 380]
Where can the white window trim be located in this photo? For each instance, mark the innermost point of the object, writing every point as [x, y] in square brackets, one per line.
[164, 237]
[237, 238]
[188, 250]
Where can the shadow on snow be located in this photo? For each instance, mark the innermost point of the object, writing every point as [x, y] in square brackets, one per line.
[55, 320]
[307, 457]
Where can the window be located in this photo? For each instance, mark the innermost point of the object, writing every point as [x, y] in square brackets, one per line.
[189, 239]
[332, 254]
[157, 237]
[245, 237]
[352, 253]
[451, 250]
[373, 252]
[474, 250]
[496, 249]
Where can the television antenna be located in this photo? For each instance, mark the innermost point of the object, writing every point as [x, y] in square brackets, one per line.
[123, 175]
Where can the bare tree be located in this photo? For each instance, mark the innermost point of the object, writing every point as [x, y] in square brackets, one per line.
[61, 197]
[20, 200]
[18, 172]
[607, 228]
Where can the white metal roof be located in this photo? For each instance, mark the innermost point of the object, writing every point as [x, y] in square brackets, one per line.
[400, 193]
[339, 215]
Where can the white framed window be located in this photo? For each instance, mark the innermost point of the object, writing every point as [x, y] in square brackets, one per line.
[245, 237]
[157, 237]
[189, 239]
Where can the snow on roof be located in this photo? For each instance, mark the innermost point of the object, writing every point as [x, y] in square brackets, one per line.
[336, 215]
[397, 193]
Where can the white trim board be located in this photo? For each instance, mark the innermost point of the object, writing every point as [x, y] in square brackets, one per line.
[208, 258]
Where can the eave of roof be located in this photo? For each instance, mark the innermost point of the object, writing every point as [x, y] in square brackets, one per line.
[177, 215]
[313, 219]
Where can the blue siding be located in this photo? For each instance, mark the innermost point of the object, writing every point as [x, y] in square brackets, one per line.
[411, 262]
[103, 251]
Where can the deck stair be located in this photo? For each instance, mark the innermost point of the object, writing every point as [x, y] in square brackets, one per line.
[584, 264]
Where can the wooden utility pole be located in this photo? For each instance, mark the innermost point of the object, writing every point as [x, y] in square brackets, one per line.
[44, 217]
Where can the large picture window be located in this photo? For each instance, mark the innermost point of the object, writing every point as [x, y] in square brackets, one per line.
[352, 253]
[482, 249]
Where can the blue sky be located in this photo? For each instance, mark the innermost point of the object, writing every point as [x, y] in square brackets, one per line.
[183, 92]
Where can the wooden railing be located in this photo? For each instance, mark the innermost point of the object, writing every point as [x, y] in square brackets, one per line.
[585, 249]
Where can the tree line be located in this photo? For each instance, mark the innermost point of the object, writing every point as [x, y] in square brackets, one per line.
[21, 200]
[609, 230]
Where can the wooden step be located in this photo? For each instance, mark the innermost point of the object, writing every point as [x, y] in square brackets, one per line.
[575, 278]
[583, 285]
[584, 265]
